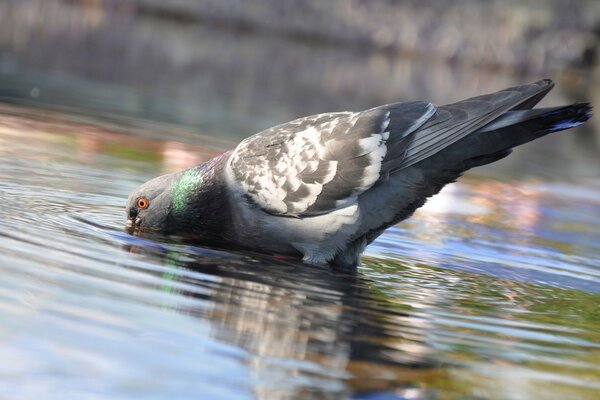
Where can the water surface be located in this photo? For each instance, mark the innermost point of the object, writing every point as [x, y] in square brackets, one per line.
[491, 291]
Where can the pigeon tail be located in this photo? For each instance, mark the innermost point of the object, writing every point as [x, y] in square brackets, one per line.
[514, 128]
[566, 117]
[525, 126]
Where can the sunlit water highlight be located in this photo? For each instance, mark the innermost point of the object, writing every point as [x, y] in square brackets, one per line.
[491, 291]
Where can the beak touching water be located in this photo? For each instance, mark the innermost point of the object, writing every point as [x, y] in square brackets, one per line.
[133, 225]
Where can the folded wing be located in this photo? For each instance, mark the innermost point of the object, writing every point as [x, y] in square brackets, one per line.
[317, 164]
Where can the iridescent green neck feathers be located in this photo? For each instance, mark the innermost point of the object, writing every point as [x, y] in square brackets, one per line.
[189, 181]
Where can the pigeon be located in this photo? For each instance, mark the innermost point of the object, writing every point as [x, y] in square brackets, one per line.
[322, 187]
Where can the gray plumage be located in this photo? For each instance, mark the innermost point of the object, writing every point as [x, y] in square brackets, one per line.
[324, 186]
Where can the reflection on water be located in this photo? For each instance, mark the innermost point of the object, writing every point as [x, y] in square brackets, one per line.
[490, 291]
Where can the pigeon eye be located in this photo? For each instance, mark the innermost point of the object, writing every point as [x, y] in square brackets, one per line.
[142, 203]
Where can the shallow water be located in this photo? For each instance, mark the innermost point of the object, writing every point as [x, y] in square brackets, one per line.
[491, 291]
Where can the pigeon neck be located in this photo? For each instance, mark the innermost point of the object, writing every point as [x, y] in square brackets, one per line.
[200, 206]
[189, 181]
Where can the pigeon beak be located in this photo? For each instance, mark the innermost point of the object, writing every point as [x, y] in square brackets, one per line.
[131, 225]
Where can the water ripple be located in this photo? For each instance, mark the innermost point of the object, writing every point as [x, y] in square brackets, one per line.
[470, 296]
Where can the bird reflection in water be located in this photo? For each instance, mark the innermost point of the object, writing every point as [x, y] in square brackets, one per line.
[312, 332]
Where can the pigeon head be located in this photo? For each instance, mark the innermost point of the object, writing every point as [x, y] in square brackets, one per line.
[149, 207]
[185, 203]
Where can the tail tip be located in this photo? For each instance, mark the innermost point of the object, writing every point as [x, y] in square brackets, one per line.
[584, 111]
[588, 111]
[580, 113]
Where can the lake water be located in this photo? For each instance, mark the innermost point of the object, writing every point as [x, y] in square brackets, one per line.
[491, 291]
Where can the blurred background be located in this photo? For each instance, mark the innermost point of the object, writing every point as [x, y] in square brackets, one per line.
[490, 291]
[231, 68]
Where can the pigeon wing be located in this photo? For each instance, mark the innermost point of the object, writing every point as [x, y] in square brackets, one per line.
[453, 122]
[317, 164]
[320, 163]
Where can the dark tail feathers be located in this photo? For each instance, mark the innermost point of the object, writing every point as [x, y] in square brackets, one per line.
[564, 117]
[515, 128]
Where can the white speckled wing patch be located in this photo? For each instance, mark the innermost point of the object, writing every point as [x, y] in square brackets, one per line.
[316, 164]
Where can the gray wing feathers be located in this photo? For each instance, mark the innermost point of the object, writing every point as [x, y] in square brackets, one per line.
[542, 87]
[358, 171]
[320, 163]
[455, 121]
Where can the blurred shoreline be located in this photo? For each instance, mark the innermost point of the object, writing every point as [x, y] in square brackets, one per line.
[265, 63]
[527, 36]
[235, 68]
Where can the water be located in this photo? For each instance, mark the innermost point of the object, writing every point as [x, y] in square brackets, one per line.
[491, 291]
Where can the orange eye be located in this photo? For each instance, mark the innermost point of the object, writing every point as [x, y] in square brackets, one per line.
[142, 203]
